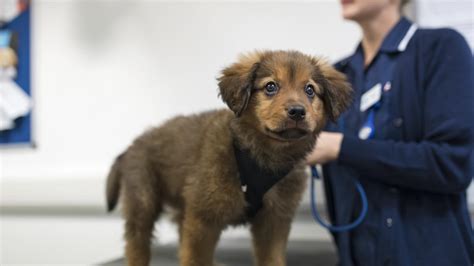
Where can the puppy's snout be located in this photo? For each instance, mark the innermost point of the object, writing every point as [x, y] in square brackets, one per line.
[296, 112]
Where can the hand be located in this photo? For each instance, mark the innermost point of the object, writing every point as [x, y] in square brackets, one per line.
[328, 146]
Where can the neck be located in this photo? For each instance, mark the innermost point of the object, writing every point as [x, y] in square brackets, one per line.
[375, 29]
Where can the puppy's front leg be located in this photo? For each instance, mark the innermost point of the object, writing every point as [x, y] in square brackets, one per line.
[270, 236]
[198, 242]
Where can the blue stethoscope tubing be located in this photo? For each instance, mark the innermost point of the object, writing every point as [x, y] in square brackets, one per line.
[369, 124]
[339, 228]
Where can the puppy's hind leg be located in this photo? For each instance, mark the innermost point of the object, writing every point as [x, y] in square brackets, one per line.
[142, 205]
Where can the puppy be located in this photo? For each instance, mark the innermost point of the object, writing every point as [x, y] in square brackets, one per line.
[230, 167]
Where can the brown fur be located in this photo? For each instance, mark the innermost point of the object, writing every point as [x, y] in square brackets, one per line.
[188, 163]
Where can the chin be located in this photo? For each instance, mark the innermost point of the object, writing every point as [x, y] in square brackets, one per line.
[287, 135]
[351, 13]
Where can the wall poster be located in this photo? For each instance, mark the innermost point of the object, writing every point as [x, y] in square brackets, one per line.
[15, 90]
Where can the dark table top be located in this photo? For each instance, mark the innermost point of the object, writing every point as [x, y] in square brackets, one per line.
[238, 252]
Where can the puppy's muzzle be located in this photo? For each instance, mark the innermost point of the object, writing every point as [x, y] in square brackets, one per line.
[296, 112]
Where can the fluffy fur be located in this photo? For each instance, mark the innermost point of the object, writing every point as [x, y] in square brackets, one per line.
[188, 163]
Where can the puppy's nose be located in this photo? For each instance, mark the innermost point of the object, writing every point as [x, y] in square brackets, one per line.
[296, 112]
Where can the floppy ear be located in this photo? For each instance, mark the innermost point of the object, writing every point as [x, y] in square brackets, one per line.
[236, 82]
[337, 91]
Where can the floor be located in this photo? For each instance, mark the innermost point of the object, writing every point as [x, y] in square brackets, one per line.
[96, 239]
[59, 240]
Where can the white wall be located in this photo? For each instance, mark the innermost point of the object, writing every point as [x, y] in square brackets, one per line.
[103, 71]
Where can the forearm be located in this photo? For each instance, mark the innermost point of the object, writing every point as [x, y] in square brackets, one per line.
[436, 167]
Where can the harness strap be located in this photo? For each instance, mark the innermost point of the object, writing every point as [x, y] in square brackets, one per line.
[255, 180]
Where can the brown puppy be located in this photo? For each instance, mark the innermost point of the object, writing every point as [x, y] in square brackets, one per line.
[280, 102]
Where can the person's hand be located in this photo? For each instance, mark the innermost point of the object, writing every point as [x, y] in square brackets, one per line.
[327, 148]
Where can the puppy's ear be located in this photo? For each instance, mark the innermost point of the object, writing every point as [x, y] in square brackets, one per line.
[337, 92]
[236, 82]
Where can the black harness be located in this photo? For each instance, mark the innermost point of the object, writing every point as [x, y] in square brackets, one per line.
[255, 180]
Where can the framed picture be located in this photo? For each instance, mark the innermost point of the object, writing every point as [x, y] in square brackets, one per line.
[15, 78]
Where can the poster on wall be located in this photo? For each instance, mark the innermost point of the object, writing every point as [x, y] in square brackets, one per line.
[15, 90]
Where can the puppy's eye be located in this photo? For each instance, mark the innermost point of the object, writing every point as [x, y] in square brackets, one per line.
[271, 88]
[309, 90]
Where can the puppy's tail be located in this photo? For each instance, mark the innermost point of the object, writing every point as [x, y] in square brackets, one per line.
[113, 184]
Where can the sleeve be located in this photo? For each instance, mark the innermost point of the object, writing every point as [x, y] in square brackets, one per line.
[440, 162]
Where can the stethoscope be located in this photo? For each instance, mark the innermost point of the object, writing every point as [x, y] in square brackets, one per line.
[366, 132]
[337, 228]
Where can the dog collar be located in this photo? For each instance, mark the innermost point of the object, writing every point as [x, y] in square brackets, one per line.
[255, 180]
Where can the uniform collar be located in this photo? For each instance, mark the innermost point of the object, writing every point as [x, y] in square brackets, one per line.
[399, 36]
[396, 41]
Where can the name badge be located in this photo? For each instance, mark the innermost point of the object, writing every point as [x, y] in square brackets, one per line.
[371, 97]
[365, 132]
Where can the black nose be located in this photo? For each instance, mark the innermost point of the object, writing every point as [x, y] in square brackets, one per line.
[296, 112]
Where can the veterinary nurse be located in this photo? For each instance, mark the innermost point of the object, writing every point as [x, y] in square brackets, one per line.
[407, 138]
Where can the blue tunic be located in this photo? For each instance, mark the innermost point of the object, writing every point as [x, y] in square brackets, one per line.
[417, 166]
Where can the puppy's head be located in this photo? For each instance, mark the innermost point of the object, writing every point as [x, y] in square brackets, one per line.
[289, 95]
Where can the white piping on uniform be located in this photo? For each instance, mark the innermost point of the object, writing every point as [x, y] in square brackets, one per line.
[406, 39]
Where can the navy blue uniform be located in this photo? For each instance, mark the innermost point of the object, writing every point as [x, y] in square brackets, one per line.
[417, 166]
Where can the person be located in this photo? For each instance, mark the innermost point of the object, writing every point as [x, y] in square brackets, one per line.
[408, 138]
